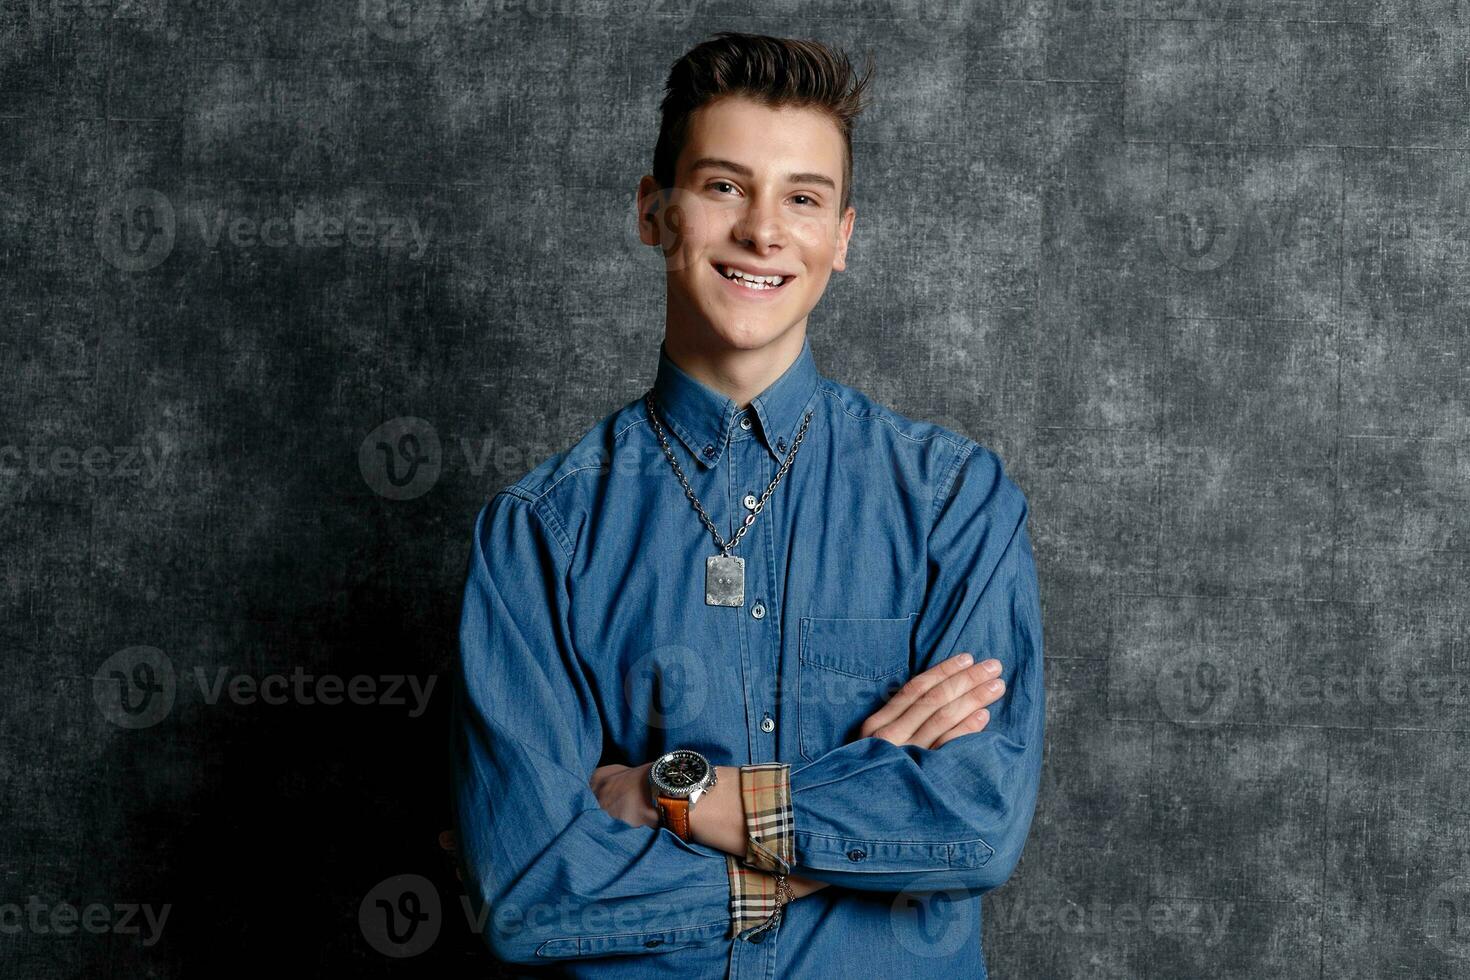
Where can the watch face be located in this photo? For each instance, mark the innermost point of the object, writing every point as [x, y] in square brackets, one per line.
[681, 771]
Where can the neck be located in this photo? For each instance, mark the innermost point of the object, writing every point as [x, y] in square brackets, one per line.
[735, 372]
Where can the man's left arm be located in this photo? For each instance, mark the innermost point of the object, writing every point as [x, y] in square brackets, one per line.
[876, 816]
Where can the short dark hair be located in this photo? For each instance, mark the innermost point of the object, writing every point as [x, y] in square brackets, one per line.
[774, 71]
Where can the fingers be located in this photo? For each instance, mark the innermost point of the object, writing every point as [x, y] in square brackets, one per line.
[449, 844]
[912, 689]
[964, 706]
[934, 702]
[971, 723]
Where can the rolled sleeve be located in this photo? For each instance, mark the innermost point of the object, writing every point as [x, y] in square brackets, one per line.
[765, 798]
[752, 896]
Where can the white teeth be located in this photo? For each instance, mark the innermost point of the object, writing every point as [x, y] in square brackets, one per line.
[760, 282]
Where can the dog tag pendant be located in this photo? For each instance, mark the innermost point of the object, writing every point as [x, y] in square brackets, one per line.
[724, 580]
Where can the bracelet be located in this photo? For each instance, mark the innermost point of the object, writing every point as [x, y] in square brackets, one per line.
[783, 897]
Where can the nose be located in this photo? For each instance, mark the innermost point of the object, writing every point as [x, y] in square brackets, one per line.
[760, 225]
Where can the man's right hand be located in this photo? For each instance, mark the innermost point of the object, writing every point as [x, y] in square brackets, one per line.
[944, 702]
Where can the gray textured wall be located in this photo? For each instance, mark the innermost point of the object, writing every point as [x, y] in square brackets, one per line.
[1197, 270]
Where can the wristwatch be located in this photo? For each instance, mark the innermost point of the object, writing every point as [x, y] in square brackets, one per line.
[677, 780]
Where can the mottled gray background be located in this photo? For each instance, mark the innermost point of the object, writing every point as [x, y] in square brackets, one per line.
[1197, 270]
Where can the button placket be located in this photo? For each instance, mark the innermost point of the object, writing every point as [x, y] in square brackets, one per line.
[764, 644]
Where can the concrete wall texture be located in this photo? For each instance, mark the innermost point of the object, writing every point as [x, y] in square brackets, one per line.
[1196, 269]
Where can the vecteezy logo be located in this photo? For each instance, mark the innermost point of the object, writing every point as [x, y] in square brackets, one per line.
[1194, 689]
[934, 923]
[401, 20]
[1199, 229]
[667, 686]
[931, 20]
[401, 916]
[135, 687]
[1447, 917]
[135, 229]
[401, 459]
[677, 218]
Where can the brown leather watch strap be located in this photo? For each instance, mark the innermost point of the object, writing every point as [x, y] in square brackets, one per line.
[674, 814]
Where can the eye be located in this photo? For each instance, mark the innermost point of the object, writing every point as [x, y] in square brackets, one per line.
[815, 202]
[721, 183]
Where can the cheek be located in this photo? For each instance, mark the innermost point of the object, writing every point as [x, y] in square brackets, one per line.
[686, 227]
[816, 238]
[693, 242]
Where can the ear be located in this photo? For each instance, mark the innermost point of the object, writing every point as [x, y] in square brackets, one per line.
[844, 232]
[650, 200]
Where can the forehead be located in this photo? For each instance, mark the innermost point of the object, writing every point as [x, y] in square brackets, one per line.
[742, 130]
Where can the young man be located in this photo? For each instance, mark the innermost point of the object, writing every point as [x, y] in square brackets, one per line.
[713, 717]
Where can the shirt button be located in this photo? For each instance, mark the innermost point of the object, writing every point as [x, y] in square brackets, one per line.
[758, 611]
[745, 421]
[855, 855]
[749, 501]
[654, 942]
[780, 445]
[768, 724]
[709, 452]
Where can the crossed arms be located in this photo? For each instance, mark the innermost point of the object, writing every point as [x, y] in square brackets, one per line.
[932, 796]
[932, 708]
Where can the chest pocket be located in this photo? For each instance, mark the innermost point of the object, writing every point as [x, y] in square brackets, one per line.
[849, 668]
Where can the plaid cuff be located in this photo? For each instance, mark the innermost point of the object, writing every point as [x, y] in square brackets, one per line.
[770, 828]
[752, 896]
[765, 795]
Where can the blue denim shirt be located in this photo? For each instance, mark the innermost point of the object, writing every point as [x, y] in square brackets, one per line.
[890, 545]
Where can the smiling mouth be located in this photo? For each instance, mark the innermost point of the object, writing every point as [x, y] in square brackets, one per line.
[756, 284]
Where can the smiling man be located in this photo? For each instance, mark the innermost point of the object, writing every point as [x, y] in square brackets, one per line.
[751, 675]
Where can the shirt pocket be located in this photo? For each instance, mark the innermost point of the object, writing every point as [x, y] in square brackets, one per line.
[849, 667]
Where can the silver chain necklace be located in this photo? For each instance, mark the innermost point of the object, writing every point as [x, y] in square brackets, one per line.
[724, 574]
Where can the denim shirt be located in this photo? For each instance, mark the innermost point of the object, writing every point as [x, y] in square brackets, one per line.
[890, 545]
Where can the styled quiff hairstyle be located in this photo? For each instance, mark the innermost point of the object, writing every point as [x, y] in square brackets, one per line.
[776, 72]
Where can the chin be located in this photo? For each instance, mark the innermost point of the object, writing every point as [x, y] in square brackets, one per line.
[718, 324]
[750, 336]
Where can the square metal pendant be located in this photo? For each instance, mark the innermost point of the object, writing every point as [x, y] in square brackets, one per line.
[724, 580]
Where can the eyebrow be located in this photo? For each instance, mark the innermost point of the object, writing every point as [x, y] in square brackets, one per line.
[714, 163]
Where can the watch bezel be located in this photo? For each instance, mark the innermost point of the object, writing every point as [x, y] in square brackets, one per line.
[661, 788]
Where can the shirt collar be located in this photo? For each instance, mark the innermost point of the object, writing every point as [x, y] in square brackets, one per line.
[701, 417]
